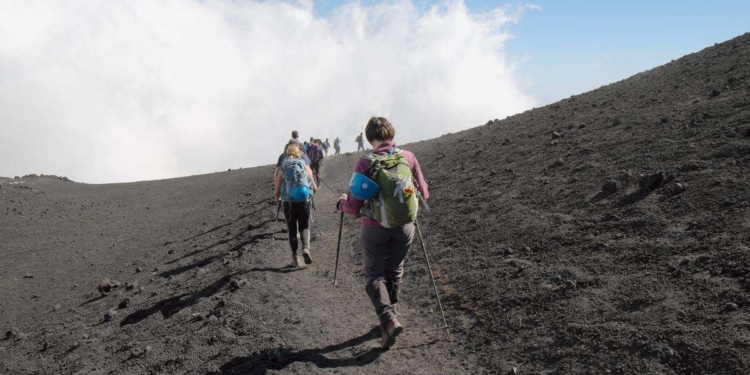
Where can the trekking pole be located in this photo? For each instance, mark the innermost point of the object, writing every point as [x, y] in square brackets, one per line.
[326, 185]
[338, 249]
[429, 268]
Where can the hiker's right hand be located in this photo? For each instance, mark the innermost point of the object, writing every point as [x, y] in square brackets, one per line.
[343, 197]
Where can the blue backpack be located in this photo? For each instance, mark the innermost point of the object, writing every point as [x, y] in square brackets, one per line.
[296, 185]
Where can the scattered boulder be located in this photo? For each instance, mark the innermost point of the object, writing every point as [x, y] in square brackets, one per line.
[236, 284]
[15, 334]
[556, 135]
[28, 276]
[714, 94]
[131, 286]
[625, 176]
[106, 286]
[667, 352]
[651, 181]
[110, 315]
[197, 317]
[674, 189]
[506, 141]
[138, 270]
[558, 163]
[731, 306]
[610, 187]
[691, 167]
[726, 203]
[124, 304]
[56, 307]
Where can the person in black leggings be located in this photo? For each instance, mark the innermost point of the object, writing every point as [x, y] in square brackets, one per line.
[297, 214]
[298, 219]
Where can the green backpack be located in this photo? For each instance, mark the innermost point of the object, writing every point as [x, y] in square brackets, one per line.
[396, 203]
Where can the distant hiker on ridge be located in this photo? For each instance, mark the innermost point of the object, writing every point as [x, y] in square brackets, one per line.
[360, 142]
[294, 186]
[337, 145]
[389, 210]
[316, 158]
[326, 146]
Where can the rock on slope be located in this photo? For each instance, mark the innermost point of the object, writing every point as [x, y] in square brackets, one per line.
[608, 232]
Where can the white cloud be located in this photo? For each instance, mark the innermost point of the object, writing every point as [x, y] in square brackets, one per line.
[603, 60]
[104, 91]
[533, 7]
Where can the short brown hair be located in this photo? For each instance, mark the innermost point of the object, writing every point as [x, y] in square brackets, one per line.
[295, 134]
[379, 129]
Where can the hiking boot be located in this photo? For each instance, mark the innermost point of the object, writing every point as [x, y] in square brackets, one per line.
[306, 255]
[295, 262]
[391, 330]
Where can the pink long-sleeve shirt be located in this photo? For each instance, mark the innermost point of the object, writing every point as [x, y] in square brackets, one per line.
[352, 205]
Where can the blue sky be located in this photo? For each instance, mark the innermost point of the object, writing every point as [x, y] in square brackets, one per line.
[569, 47]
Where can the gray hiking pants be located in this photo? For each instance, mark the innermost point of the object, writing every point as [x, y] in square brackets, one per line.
[383, 252]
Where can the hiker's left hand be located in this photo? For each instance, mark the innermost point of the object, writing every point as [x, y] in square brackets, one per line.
[343, 197]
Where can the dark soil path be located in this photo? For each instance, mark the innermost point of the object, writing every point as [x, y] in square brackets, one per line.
[212, 294]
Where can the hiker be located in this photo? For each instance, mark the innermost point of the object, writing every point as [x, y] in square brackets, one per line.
[316, 158]
[293, 184]
[337, 145]
[360, 142]
[326, 146]
[281, 158]
[385, 238]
